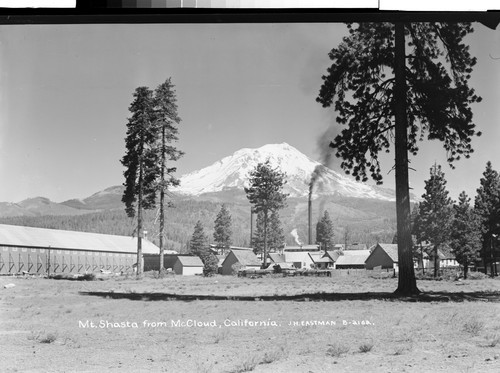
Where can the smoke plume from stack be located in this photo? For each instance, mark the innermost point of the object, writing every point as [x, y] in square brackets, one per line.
[296, 236]
[326, 153]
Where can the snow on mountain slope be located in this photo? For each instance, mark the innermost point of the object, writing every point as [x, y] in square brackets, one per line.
[232, 172]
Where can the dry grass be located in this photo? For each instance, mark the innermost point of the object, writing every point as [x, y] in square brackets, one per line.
[429, 336]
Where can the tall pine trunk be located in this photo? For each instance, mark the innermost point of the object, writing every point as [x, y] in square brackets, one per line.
[162, 196]
[265, 240]
[407, 284]
[436, 261]
[139, 219]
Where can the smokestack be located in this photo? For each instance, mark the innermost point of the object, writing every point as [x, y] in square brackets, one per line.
[309, 218]
[251, 226]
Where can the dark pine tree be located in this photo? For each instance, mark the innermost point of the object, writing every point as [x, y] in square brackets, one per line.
[466, 237]
[436, 213]
[487, 207]
[391, 84]
[417, 234]
[141, 162]
[198, 240]
[265, 194]
[167, 120]
[276, 235]
[325, 232]
[199, 247]
[223, 228]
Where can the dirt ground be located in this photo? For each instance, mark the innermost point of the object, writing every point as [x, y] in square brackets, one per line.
[58, 326]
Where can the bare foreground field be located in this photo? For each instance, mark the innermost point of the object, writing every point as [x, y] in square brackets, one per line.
[128, 325]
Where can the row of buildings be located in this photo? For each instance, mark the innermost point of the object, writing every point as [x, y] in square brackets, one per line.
[51, 251]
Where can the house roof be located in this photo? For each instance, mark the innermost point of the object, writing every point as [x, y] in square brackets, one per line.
[13, 235]
[220, 258]
[324, 259]
[333, 254]
[364, 253]
[190, 261]
[304, 248]
[351, 260]
[299, 256]
[277, 258]
[391, 249]
[245, 257]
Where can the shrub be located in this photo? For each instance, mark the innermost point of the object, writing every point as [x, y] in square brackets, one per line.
[88, 277]
[49, 338]
[476, 276]
[247, 366]
[473, 326]
[274, 355]
[366, 347]
[337, 350]
[492, 340]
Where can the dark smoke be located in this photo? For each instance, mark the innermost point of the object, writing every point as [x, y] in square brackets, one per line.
[326, 158]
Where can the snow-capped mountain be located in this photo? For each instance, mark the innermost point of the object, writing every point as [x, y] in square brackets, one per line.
[232, 172]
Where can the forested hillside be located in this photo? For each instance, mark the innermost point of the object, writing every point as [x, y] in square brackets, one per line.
[368, 221]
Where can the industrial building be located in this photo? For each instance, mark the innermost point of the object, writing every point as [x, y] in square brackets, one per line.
[52, 251]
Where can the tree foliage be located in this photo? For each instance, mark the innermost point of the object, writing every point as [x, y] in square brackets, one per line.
[265, 193]
[438, 98]
[140, 160]
[275, 235]
[223, 228]
[198, 240]
[465, 238]
[166, 119]
[391, 85]
[487, 206]
[325, 232]
[436, 213]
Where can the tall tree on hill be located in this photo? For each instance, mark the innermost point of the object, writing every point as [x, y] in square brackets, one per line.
[487, 206]
[436, 213]
[222, 228]
[198, 240]
[141, 162]
[276, 234]
[199, 247]
[466, 237]
[325, 232]
[167, 120]
[265, 194]
[391, 85]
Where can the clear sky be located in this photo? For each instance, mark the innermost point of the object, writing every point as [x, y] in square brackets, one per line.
[65, 92]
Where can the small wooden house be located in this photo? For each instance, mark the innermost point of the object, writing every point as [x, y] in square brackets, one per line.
[352, 259]
[383, 255]
[239, 259]
[300, 259]
[188, 266]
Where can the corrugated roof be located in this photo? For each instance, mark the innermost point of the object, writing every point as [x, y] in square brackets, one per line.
[391, 249]
[246, 258]
[356, 253]
[298, 256]
[351, 260]
[14, 235]
[333, 254]
[277, 258]
[190, 261]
